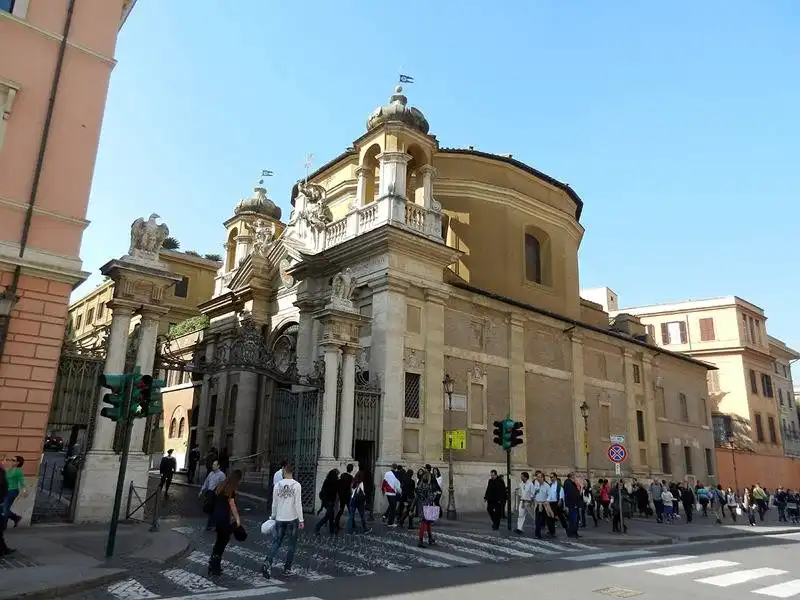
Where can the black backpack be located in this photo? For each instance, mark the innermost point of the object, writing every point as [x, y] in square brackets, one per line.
[3, 484]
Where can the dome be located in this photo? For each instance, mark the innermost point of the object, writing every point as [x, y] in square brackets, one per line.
[398, 111]
[259, 204]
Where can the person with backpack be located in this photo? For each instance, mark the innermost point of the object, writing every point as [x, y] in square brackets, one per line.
[358, 502]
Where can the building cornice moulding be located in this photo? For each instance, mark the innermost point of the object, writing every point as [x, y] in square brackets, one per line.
[110, 61]
[43, 264]
[43, 212]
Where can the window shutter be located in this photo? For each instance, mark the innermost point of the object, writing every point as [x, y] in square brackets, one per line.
[682, 327]
[664, 333]
[706, 330]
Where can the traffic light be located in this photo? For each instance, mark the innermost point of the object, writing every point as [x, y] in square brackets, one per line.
[151, 401]
[515, 438]
[115, 398]
[507, 425]
[140, 387]
[498, 432]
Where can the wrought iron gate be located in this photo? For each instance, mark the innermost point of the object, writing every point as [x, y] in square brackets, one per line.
[367, 420]
[295, 429]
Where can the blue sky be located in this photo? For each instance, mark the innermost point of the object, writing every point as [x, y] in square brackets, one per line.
[676, 122]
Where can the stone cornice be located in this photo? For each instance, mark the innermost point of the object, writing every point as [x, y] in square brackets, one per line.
[38, 263]
[436, 296]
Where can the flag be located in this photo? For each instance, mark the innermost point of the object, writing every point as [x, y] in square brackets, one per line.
[406, 79]
[266, 173]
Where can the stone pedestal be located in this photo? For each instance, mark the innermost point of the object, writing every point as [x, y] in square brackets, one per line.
[140, 280]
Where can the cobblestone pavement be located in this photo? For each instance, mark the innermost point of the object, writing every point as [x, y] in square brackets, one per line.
[322, 558]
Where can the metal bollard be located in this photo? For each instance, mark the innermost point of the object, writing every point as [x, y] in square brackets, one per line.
[154, 524]
[130, 499]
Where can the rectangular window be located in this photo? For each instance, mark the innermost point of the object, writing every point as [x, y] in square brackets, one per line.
[753, 382]
[476, 405]
[703, 411]
[775, 367]
[709, 462]
[666, 463]
[90, 316]
[687, 460]
[533, 259]
[759, 428]
[182, 288]
[684, 406]
[640, 425]
[780, 396]
[413, 381]
[7, 5]
[707, 330]
[605, 421]
[212, 411]
[637, 375]
[766, 385]
[773, 434]
[365, 310]
[78, 322]
[674, 332]
[713, 382]
[746, 329]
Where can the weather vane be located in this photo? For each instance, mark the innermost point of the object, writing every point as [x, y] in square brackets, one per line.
[406, 78]
[265, 173]
[307, 165]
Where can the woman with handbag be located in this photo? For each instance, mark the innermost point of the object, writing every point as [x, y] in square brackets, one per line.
[208, 490]
[358, 502]
[226, 519]
[425, 500]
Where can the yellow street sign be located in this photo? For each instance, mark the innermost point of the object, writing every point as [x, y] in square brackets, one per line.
[456, 439]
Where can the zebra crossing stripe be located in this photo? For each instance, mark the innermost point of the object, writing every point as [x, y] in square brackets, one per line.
[787, 589]
[472, 551]
[693, 567]
[191, 582]
[258, 557]
[341, 565]
[130, 589]
[226, 595]
[510, 551]
[428, 552]
[649, 561]
[729, 579]
[521, 543]
[247, 576]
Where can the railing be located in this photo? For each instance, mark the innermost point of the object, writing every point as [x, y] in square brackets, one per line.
[138, 500]
[55, 488]
[393, 210]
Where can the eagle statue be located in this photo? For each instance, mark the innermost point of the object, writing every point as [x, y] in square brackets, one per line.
[147, 237]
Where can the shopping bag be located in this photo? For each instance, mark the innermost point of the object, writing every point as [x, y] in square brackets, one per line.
[268, 526]
[430, 513]
[739, 510]
[698, 507]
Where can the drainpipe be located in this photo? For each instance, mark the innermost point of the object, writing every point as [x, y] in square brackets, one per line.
[37, 172]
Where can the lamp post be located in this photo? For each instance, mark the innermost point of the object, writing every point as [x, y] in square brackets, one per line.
[448, 384]
[585, 414]
[731, 439]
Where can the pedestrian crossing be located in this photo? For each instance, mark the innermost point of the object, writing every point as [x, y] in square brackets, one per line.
[764, 581]
[323, 558]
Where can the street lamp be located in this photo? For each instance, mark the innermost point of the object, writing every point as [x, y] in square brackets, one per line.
[731, 439]
[448, 384]
[585, 414]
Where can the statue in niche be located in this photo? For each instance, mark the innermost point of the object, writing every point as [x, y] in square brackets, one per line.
[343, 286]
[147, 237]
[263, 235]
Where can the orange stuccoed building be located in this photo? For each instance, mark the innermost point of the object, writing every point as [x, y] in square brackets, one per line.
[56, 58]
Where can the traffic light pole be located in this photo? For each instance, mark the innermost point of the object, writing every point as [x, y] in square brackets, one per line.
[127, 421]
[508, 487]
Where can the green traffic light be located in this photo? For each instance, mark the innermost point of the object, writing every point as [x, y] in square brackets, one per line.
[115, 398]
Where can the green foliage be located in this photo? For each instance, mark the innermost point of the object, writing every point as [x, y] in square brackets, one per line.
[192, 253]
[190, 325]
[216, 257]
[170, 243]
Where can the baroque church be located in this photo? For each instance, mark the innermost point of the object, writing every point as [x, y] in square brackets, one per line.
[401, 262]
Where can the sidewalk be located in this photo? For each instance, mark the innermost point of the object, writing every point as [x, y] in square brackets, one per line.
[52, 561]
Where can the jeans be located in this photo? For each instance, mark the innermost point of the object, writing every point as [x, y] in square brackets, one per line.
[572, 521]
[659, 506]
[328, 518]
[352, 517]
[392, 510]
[284, 530]
[782, 512]
[223, 537]
[7, 503]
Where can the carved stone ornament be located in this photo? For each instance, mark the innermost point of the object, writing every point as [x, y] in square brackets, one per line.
[343, 288]
[146, 238]
[263, 235]
[286, 278]
[414, 359]
[478, 371]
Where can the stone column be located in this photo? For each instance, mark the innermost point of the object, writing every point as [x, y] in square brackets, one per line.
[347, 410]
[103, 438]
[328, 434]
[145, 355]
[651, 433]
[246, 403]
[361, 186]
[393, 173]
[516, 382]
[428, 173]
[243, 244]
[578, 398]
[433, 403]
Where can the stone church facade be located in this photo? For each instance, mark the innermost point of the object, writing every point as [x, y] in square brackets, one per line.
[403, 261]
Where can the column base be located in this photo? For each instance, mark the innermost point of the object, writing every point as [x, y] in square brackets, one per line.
[97, 484]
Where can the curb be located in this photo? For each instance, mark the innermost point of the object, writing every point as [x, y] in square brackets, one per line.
[712, 537]
[60, 591]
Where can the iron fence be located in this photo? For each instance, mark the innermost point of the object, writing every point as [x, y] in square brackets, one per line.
[55, 489]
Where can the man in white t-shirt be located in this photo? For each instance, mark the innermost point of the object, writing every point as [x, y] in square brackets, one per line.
[276, 477]
[287, 511]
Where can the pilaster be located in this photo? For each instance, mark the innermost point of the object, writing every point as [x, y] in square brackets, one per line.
[578, 398]
[651, 433]
[433, 404]
[516, 378]
[328, 434]
[347, 409]
[428, 174]
[631, 437]
[361, 186]
[246, 404]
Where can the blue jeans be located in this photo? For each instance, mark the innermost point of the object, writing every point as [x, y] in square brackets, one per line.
[283, 530]
[6, 509]
[352, 518]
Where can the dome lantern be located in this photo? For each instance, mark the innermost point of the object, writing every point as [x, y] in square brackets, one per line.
[398, 111]
[258, 204]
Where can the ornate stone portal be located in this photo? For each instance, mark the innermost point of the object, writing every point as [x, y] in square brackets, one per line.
[140, 280]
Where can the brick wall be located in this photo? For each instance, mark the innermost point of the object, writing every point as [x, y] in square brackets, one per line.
[29, 365]
[769, 471]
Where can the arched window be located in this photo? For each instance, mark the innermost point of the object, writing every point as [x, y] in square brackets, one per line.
[533, 258]
[230, 250]
[172, 425]
[181, 427]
